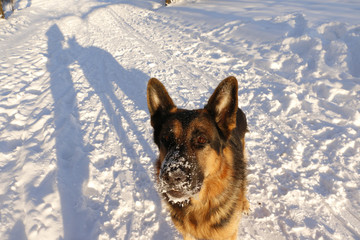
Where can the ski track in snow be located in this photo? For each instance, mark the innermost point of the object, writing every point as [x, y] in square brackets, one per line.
[76, 148]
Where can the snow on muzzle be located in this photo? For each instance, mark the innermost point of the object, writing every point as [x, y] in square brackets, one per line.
[180, 176]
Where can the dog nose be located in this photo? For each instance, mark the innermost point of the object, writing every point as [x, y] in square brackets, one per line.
[175, 177]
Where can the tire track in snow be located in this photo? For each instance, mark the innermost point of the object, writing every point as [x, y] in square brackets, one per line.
[175, 71]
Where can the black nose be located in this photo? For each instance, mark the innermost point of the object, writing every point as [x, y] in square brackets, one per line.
[174, 177]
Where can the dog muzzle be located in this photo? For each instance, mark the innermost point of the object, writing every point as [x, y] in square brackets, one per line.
[179, 177]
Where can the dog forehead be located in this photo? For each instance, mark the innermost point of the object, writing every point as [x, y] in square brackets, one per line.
[179, 121]
[189, 120]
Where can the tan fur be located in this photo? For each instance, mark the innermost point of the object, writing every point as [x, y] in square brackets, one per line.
[177, 129]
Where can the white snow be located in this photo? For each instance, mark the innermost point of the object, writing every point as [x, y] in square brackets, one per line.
[76, 150]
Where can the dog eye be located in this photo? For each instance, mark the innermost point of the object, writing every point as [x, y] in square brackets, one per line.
[201, 140]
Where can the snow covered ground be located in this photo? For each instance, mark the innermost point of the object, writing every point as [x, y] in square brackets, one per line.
[76, 148]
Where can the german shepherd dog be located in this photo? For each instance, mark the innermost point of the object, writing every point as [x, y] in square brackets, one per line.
[201, 168]
[2, 4]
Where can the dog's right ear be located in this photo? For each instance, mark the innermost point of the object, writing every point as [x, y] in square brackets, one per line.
[158, 100]
[223, 105]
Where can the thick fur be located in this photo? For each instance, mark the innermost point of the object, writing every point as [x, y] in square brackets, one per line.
[2, 4]
[205, 149]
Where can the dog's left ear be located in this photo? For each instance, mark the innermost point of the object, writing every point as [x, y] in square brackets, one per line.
[223, 105]
[159, 102]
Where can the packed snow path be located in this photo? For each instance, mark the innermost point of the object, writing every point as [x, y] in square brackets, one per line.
[76, 148]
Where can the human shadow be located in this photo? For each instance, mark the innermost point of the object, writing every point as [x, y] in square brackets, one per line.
[115, 86]
[106, 76]
[72, 161]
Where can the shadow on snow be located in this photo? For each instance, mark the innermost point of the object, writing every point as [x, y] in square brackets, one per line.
[104, 75]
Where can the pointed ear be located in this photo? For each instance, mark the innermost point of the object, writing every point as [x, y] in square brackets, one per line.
[223, 105]
[158, 100]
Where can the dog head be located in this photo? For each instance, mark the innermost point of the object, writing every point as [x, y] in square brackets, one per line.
[190, 142]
